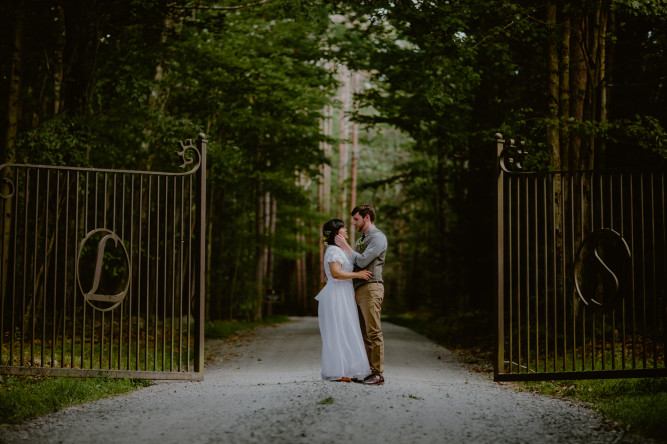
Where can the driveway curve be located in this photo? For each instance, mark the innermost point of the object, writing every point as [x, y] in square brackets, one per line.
[265, 387]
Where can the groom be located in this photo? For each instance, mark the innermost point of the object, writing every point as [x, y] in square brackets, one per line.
[369, 253]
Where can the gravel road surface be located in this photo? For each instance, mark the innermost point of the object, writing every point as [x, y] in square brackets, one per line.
[265, 388]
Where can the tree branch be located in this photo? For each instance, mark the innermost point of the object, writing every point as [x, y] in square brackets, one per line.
[223, 8]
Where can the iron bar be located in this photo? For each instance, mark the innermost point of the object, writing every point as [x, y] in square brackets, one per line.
[33, 318]
[189, 293]
[594, 348]
[519, 250]
[623, 234]
[572, 259]
[536, 276]
[173, 275]
[157, 273]
[613, 313]
[54, 339]
[643, 267]
[582, 217]
[603, 342]
[148, 269]
[546, 274]
[164, 273]
[138, 287]
[181, 280]
[652, 270]
[527, 273]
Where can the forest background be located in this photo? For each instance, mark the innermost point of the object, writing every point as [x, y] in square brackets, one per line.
[311, 106]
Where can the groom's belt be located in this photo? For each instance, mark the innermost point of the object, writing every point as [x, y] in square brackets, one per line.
[358, 283]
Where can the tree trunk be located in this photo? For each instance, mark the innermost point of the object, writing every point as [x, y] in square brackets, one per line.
[14, 94]
[13, 113]
[59, 71]
[342, 146]
[564, 87]
[326, 200]
[554, 84]
[154, 100]
[578, 89]
[353, 167]
[606, 24]
[259, 253]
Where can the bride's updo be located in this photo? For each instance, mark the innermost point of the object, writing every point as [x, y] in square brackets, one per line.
[330, 230]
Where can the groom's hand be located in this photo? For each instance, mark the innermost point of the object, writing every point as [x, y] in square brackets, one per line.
[340, 241]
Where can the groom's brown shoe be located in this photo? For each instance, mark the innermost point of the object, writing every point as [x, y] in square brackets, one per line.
[374, 380]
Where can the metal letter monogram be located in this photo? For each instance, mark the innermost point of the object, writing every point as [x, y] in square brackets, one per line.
[602, 269]
[92, 295]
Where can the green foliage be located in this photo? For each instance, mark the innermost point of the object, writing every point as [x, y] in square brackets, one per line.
[648, 133]
[225, 329]
[62, 140]
[642, 7]
[461, 331]
[637, 404]
[23, 398]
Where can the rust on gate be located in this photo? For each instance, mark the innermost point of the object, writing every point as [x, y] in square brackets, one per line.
[102, 270]
[581, 271]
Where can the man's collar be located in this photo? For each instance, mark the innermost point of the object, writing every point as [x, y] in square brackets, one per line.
[370, 230]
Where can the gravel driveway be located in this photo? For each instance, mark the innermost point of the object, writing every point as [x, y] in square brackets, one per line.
[266, 388]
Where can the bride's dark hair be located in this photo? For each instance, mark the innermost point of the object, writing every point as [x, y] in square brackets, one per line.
[330, 230]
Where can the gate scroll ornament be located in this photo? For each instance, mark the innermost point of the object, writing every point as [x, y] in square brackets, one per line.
[103, 270]
[581, 271]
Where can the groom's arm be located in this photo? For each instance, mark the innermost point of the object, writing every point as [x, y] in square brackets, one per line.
[376, 245]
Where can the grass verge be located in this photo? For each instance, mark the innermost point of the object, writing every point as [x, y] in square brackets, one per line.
[22, 398]
[636, 405]
[226, 329]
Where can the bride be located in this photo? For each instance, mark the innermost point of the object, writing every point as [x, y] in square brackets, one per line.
[343, 353]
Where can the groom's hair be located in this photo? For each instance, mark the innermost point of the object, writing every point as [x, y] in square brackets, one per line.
[364, 210]
[330, 230]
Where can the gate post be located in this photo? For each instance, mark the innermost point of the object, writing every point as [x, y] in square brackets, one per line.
[499, 260]
[200, 291]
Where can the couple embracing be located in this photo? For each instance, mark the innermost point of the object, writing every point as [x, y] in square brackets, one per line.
[350, 303]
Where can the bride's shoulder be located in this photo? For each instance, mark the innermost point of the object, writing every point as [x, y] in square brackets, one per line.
[335, 252]
[333, 249]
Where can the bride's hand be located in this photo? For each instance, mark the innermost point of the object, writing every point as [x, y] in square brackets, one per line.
[364, 274]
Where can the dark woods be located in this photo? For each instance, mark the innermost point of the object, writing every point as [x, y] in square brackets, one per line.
[292, 143]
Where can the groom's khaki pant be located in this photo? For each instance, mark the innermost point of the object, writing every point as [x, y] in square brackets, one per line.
[369, 300]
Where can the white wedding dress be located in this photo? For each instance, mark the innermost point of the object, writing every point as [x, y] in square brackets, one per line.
[343, 352]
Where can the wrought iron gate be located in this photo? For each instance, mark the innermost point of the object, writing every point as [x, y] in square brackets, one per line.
[102, 270]
[581, 272]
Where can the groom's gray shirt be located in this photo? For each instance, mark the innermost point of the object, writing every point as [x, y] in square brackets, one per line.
[369, 253]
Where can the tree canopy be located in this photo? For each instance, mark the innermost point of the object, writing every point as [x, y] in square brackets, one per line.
[118, 83]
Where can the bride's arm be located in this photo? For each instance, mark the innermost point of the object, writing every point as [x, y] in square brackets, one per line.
[338, 273]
